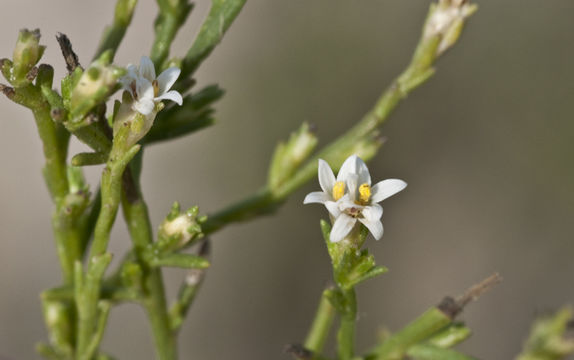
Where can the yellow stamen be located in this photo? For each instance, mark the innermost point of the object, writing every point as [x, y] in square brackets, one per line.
[338, 190]
[364, 193]
[155, 85]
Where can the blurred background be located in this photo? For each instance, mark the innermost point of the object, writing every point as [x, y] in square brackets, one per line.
[486, 147]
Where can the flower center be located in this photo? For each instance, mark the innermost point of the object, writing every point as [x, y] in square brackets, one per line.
[364, 194]
[338, 190]
[155, 85]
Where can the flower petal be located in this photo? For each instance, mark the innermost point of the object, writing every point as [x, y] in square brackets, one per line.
[373, 212]
[342, 227]
[147, 69]
[144, 106]
[316, 197]
[348, 167]
[326, 177]
[375, 227]
[383, 189]
[171, 95]
[346, 203]
[333, 208]
[132, 71]
[167, 78]
[144, 89]
[363, 172]
[352, 186]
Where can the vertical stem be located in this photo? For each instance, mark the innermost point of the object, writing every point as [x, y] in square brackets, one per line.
[346, 334]
[321, 325]
[139, 226]
[88, 295]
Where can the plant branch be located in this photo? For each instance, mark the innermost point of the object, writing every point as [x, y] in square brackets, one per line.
[361, 139]
[321, 325]
[114, 34]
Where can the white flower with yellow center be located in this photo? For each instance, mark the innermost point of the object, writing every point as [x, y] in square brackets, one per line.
[146, 89]
[333, 188]
[351, 198]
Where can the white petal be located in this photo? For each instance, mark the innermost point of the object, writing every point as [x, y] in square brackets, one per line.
[147, 69]
[363, 172]
[167, 78]
[342, 227]
[346, 203]
[171, 95]
[333, 208]
[383, 189]
[126, 82]
[375, 227]
[348, 167]
[373, 212]
[316, 197]
[352, 185]
[326, 177]
[144, 106]
[132, 71]
[144, 89]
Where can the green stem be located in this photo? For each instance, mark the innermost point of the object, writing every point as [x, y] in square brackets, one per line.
[346, 334]
[169, 20]
[114, 34]
[186, 295]
[419, 70]
[220, 17]
[420, 329]
[89, 294]
[139, 226]
[259, 203]
[321, 325]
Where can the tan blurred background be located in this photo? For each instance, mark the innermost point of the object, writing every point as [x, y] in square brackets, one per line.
[486, 147]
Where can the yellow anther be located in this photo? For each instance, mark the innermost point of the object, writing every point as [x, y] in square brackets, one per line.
[364, 193]
[338, 190]
[155, 85]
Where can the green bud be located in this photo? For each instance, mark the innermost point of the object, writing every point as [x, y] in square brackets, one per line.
[445, 20]
[549, 337]
[27, 53]
[95, 85]
[178, 229]
[290, 155]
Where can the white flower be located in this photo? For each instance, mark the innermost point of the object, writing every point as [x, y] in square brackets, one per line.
[333, 188]
[146, 89]
[351, 197]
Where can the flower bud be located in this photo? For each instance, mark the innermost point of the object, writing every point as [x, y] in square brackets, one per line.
[136, 123]
[27, 53]
[446, 20]
[290, 155]
[178, 229]
[94, 86]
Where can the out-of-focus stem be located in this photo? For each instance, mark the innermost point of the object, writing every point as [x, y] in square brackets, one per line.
[346, 334]
[170, 18]
[321, 325]
[139, 226]
[114, 34]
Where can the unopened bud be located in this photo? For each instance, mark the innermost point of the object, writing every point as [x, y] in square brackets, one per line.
[27, 53]
[94, 86]
[446, 20]
[290, 155]
[178, 229]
